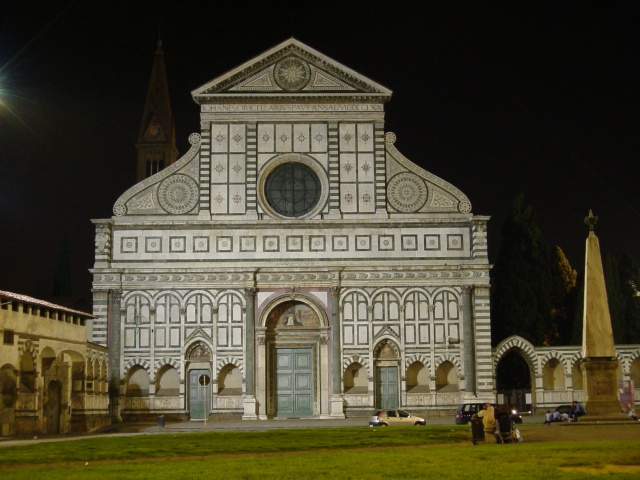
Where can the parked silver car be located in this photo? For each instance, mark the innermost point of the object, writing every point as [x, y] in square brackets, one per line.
[393, 416]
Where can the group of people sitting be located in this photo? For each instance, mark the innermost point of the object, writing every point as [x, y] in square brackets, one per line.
[575, 412]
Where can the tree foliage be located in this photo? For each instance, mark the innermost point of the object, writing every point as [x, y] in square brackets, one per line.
[622, 278]
[531, 282]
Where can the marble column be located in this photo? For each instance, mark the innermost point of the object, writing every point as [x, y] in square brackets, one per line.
[114, 322]
[250, 403]
[468, 342]
[337, 401]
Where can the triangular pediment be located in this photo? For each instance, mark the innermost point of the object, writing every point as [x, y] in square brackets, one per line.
[290, 69]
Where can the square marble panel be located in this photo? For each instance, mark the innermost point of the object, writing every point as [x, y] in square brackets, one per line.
[363, 242]
[129, 245]
[317, 243]
[409, 242]
[177, 244]
[294, 243]
[200, 244]
[432, 242]
[271, 243]
[153, 244]
[454, 242]
[224, 244]
[340, 243]
[248, 244]
[385, 242]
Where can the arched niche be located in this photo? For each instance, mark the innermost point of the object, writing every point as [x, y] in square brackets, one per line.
[356, 379]
[167, 381]
[137, 382]
[447, 377]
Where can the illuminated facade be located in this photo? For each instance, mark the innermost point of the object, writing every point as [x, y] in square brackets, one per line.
[295, 258]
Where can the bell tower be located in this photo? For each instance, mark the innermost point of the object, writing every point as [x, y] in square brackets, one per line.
[156, 145]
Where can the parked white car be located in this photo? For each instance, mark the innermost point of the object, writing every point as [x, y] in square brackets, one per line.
[393, 416]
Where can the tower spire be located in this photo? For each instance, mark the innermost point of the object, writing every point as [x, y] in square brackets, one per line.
[156, 145]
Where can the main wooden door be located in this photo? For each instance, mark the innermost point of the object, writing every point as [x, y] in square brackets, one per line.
[199, 395]
[387, 387]
[294, 382]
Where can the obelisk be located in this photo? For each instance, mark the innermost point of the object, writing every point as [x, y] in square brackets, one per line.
[599, 364]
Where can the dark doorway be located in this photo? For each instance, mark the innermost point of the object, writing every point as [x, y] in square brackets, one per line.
[513, 380]
[53, 407]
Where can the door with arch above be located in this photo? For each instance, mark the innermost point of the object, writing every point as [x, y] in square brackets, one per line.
[387, 387]
[199, 394]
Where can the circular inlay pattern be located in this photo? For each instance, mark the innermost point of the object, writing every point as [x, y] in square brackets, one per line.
[390, 138]
[407, 192]
[292, 73]
[119, 209]
[194, 138]
[464, 207]
[178, 194]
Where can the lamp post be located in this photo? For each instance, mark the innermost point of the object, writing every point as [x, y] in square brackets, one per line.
[204, 381]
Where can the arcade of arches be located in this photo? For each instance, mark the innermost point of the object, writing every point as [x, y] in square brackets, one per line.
[52, 380]
[543, 377]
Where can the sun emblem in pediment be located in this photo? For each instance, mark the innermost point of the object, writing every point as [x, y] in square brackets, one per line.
[292, 73]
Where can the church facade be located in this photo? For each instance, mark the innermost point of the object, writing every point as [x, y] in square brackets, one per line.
[293, 263]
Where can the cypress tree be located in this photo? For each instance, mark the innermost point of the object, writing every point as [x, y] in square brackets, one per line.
[615, 297]
[622, 277]
[522, 279]
[564, 278]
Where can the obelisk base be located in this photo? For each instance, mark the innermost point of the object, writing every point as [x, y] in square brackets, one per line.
[601, 386]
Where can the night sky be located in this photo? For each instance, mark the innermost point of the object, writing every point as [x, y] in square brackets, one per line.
[496, 100]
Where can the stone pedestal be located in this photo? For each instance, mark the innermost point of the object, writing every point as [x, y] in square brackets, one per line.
[600, 381]
[337, 409]
[250, 408]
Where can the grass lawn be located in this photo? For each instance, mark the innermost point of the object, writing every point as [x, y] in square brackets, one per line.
[421, 452]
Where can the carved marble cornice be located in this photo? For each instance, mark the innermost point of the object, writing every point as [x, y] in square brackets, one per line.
[463, 276]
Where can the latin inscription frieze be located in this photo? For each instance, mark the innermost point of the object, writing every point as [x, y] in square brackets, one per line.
[301, 107]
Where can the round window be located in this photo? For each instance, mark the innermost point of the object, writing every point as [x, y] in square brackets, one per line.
[292, 189]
